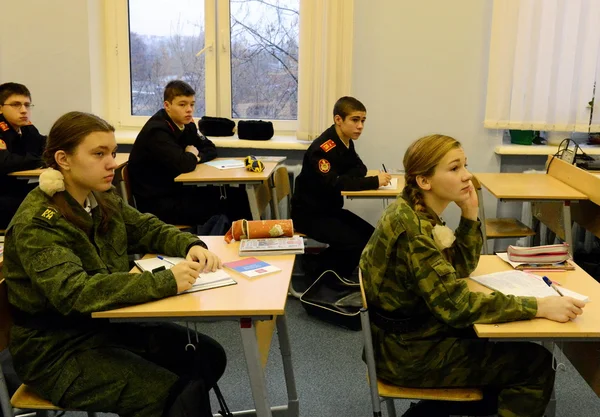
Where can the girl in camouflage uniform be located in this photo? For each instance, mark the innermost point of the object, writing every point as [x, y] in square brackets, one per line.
[66, 257]
[422, 312]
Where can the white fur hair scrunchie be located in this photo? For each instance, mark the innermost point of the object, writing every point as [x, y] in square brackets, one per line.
[443, 236]
[52, 181]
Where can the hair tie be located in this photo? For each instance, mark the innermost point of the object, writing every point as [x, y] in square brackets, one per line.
[443, 236]
[52, 181]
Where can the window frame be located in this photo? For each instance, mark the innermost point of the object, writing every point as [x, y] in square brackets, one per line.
[217, 66]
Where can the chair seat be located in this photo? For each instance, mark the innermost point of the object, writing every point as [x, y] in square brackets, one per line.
[505, 228]
[440, 394]
[25, 398]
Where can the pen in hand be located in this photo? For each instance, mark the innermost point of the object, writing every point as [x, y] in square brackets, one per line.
[551, 284]
[384, 170]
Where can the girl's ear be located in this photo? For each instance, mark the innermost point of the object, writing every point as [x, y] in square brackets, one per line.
[62, 160]
[423, 182]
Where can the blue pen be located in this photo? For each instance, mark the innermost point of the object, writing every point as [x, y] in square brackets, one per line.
[548, 281]
[163, 259]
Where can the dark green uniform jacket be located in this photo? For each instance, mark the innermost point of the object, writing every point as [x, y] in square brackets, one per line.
[407, 276]
[57, 275]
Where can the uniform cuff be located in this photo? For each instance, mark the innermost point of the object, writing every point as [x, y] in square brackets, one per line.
[530, 307]
[467, 226]
[195, 243]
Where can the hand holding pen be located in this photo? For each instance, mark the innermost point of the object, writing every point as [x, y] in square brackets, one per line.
[561, 309]
[185, 273]
[384, 177]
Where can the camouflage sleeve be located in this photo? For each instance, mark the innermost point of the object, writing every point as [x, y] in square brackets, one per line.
[147, 234]
[58, 273]
[449, 298]
[464, 253]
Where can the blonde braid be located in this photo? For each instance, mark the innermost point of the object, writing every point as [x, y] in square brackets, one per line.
[415, 195]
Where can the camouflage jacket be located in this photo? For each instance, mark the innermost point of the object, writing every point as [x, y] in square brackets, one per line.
[57, 275]
[406, 276]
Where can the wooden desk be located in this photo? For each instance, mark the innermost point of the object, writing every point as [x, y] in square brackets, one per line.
[586, 326]
[377, 193]
[209, 175]
[534, 188]
[248, 302]
[121, 160]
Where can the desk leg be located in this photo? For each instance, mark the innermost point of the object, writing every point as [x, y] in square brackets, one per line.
[551, 407]
[288, 370]
[264, 335]
[255, 370]
[567, 225]
[251, 192]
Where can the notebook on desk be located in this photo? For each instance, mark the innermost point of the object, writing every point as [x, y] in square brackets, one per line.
[205, 281]
[393, 185]
[523, 284]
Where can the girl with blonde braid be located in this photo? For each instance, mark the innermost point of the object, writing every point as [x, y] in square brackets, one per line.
[421, 310]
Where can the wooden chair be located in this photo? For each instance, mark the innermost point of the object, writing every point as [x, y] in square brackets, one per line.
[263, 197]
[498, 228]
[281, 189]
[382, 391]
[24, 398]
[125, 190]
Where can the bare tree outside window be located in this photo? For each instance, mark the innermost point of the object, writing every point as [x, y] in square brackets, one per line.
[164, 37]
[264, 59]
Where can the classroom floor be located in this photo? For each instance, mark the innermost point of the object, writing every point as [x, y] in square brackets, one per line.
[331, 378]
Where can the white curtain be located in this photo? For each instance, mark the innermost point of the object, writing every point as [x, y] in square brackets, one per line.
[544, 61]
[325, 62]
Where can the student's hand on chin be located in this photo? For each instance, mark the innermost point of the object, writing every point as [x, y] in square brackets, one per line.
[470, 205]
[209, 261]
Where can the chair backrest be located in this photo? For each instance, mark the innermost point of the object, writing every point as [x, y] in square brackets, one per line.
[263, 197]
[368, 351]
[125, 186]
[282, 189]
[476, 182]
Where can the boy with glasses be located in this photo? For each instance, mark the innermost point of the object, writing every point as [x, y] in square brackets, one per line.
[21, 147]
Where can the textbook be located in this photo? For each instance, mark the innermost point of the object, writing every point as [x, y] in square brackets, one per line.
[205, 281]
[251, 267]
[539, 254]
[226, 163]
[523, 284]
[272, 246]
[525, 266]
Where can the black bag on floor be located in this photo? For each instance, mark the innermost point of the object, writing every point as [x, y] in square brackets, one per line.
[335, 300]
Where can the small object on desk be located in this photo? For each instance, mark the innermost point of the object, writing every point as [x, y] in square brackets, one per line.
[272, 246]
[205, 281]
[226, 163]
[271, 158]
[251, 267]
[393, 185]
[522, 284]
[546, 254]
[253, 164]
[526, 266]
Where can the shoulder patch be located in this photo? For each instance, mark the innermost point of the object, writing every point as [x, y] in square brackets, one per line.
[2, 145]
[4, 126]
[324, 166]
[48, 215]
[329, 145]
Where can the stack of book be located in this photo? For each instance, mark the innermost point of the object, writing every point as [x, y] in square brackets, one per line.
[272, 246]
[548, 257]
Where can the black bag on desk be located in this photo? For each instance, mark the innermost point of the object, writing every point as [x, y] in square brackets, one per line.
[216, 126]
[335, 300]
[255, 130]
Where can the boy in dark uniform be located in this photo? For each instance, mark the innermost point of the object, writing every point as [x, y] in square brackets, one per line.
[330, 166]
[169, 145]
[21, 147]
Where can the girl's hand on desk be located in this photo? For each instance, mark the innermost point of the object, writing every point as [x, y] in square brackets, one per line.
[185, 274]
[209, 262]
[560, 309]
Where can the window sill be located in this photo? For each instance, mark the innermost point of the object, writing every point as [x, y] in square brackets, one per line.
[540, 149]
[284, 142]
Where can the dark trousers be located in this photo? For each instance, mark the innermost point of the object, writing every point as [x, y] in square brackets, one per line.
[141, 371]
[346, 233]
[195, 205]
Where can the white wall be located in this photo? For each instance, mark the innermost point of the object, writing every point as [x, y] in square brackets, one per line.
[46, 45]
[420, 67]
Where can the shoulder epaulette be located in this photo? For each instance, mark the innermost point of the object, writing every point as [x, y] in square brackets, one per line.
[4, 126]
[329, 145]
[48, 215]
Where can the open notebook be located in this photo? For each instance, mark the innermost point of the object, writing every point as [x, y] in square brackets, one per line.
[523, 284]
[205, 281]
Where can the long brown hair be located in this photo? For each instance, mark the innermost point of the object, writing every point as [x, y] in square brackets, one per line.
[66, 135]
[421, 158]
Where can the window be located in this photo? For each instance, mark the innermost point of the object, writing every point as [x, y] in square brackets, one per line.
[544, 66]
[243, 65]
[241, 57]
